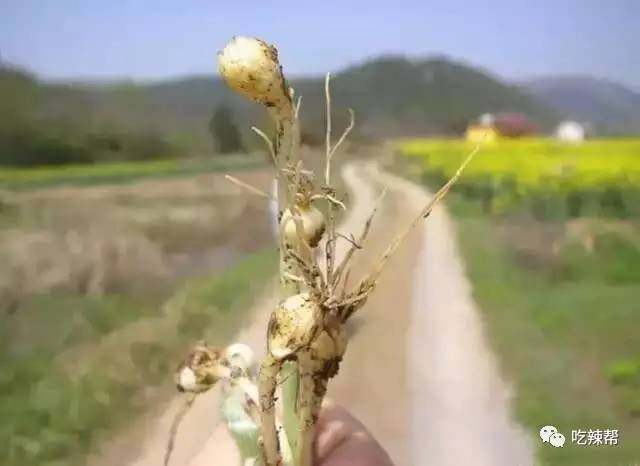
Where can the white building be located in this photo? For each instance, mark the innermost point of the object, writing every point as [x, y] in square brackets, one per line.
[486, 119]
[570, 131]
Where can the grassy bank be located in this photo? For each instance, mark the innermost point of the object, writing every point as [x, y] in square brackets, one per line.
[565, 328]
[119, 172]
[74, 367]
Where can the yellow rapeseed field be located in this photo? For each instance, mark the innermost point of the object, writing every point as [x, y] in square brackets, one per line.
[519, 169]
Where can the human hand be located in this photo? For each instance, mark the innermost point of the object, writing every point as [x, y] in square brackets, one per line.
[341, 440]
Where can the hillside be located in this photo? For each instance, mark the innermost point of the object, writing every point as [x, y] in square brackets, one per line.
[610, 107]
[391, 96]
[51, 124]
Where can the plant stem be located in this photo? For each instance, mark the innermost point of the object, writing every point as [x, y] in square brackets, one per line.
[267, 382]
[287, 154]
[290, 391]
[302, 455]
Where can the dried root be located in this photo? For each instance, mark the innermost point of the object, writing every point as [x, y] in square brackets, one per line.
[173, 431]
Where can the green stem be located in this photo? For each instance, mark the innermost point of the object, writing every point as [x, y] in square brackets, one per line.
[287, 154]
[243, 428]
[290, 391]
[306, 402]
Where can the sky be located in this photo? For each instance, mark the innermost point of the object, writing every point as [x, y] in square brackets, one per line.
[156, 39]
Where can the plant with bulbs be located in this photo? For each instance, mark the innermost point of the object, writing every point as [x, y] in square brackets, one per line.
[306, 336]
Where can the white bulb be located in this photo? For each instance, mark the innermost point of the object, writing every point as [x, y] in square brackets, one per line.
[292, 325]
[250, 66]
[240, 355]
[312, 223]
[187, 380]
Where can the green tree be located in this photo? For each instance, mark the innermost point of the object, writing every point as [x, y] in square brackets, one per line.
[224, 131]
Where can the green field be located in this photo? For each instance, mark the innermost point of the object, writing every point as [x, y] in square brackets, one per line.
[73, 366]
[558, 287]
[118, 172]
[101, 296]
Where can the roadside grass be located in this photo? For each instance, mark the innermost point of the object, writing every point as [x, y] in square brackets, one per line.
[569, 341]
[75, 367]
[119, 172]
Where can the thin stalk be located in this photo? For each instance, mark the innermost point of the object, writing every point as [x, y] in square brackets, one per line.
[286, 154]
[303, 455]
[269, 144]
[248, 187]
[173, 431]
[267, 382]
[331, 240]
[330, 249]
[424, 213]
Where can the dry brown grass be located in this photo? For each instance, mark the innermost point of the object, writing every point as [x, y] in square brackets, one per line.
[540, 243]
[88, 260]
[123, 238]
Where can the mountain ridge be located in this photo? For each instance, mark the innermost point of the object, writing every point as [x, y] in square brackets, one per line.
[421, 94]
[610, 107]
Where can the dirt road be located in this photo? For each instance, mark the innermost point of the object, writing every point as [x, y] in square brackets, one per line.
[460, 404]
[418, 371]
